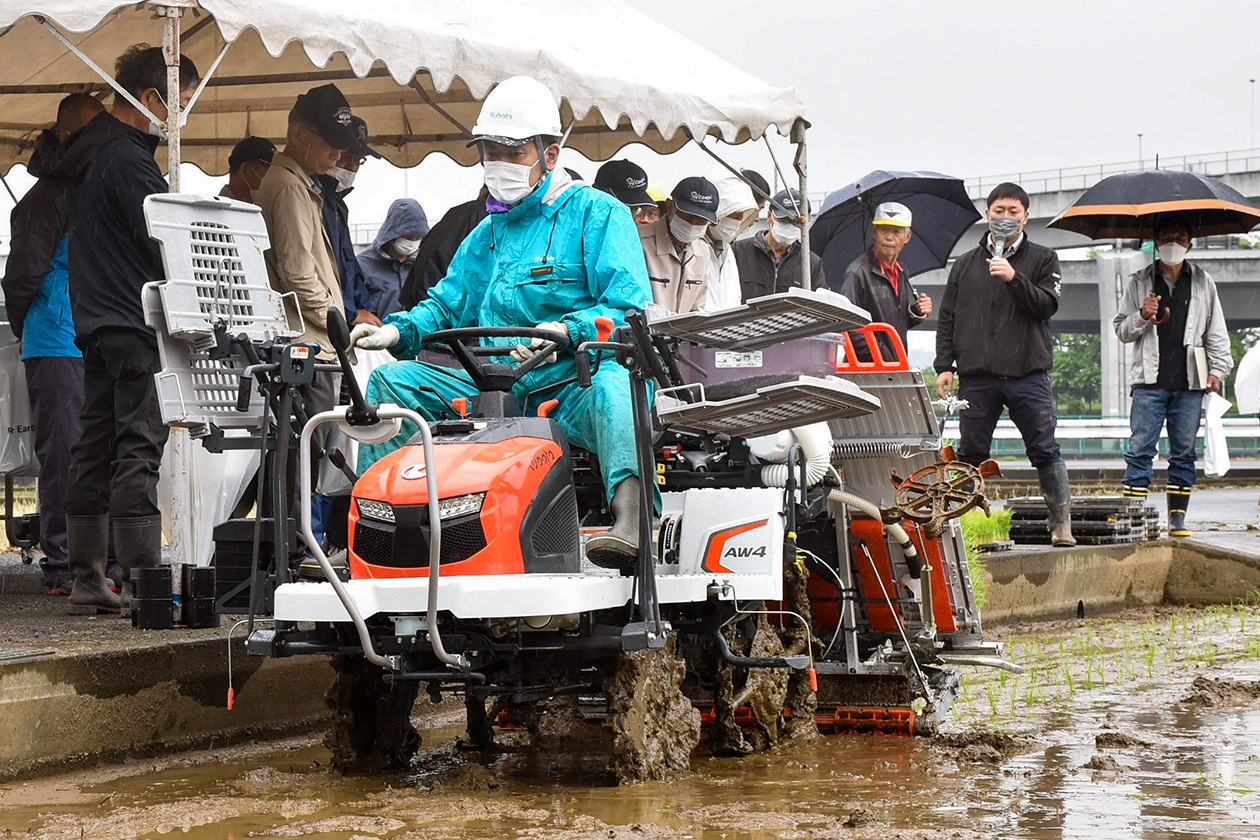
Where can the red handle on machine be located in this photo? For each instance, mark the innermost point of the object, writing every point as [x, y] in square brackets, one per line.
[851, 364]
[603, 328]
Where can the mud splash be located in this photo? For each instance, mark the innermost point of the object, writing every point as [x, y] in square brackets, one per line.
[1144, 726]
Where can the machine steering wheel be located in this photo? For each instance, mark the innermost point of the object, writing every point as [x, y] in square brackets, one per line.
[496, 376]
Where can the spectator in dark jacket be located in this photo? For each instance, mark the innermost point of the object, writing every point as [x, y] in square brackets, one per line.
[247, 164]
[770, 261]
[335, 186]
[387, 264]
[37, 297]
[114, 466]
[876, 282]
[994, 332]
[439, 247]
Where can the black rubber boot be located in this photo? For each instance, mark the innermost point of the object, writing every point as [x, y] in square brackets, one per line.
[618, 547]
[88, 538]
[1178, 504]
[1057, 492]
[138, 544]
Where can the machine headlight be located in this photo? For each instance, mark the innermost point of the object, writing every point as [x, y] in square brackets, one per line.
[372, 509]
[460, 505]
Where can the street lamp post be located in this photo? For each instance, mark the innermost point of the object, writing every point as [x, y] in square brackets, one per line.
[1140, 166]
[1252, 82]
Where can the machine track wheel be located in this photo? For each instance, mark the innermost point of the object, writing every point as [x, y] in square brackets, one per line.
[763, 690]
[653, 724]
[371, 731]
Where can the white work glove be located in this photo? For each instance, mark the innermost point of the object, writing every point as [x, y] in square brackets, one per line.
[372, 337]
[522, 352]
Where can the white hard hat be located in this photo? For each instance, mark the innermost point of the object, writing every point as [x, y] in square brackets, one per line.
[518, 109]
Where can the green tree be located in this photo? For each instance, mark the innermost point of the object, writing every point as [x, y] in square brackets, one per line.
[1077, 374]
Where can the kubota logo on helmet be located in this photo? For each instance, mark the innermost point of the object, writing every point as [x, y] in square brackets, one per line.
[701, 198]
[500, 115]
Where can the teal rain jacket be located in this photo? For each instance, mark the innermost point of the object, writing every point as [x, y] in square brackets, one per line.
[567, 253]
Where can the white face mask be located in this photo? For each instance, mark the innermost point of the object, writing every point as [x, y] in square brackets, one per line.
[155, 128]
[343, 177]
[1171, 253]
[684, 231]
[728, 228]
[784, 232]
[508, 182]
[406, 247]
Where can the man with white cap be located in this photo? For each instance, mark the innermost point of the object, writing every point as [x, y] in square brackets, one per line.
[737, 209]
[678, 257]
[554, 254]
[876, 281]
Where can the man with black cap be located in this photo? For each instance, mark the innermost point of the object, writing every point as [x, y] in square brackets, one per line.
[770, 261]
[301, 258]
[248, 163]
[626, 181]
[335, 186]
[678, 256]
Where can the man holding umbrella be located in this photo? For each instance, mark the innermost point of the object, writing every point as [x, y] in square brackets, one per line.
[994, 331]
[877, 282]
[1172, 313]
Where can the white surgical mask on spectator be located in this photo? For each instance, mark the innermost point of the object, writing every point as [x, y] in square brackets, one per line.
[1172, 253]
[684, 231]
[508, 182]
[155, 128]
[406, 247]
[728, 228]
[784, 232]
[343, 177]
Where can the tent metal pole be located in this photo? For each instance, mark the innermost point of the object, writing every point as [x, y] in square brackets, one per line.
[756, 190]
[118, 89]
[801, 164]
[8, 189]
[170, 51]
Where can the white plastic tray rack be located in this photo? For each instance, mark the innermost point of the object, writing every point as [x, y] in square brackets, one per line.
[764, 321]
[807, 399]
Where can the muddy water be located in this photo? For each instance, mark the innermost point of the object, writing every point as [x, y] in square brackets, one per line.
[1146, 726]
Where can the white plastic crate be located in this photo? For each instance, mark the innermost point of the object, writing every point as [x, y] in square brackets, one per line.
[212, 251]
[807, 399]
[212, 255]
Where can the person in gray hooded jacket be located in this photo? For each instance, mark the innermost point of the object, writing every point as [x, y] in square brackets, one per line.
[388, 262]
[1172, 315]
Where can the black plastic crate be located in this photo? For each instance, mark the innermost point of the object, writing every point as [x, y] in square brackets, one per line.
[233, 557]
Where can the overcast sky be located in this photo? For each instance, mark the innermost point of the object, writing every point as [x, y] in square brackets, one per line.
[964, 87]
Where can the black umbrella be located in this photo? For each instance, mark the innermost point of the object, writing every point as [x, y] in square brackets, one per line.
[942, 214]
[1126, 206]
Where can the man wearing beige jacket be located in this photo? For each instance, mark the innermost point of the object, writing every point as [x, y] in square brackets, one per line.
[301, 259]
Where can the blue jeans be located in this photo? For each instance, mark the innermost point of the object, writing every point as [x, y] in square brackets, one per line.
[1151, 409]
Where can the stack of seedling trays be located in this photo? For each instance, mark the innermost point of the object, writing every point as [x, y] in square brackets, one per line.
[1096, 520]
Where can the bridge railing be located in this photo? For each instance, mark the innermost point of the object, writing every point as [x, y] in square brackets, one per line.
[1107, 437]
[1214, 164]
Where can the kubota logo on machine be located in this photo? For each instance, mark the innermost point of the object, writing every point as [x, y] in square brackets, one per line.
[414, 471]
[542, 459]
[721, 547]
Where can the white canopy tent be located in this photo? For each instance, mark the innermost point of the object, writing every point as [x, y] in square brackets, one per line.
[415, 72]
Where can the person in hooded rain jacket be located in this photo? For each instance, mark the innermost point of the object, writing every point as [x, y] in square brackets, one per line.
[387, 264]
[552, 253]
[37, 299]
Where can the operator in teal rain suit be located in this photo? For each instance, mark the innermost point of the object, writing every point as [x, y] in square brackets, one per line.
[551, 253]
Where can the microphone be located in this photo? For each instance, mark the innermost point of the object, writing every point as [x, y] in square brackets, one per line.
[1003, 228]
